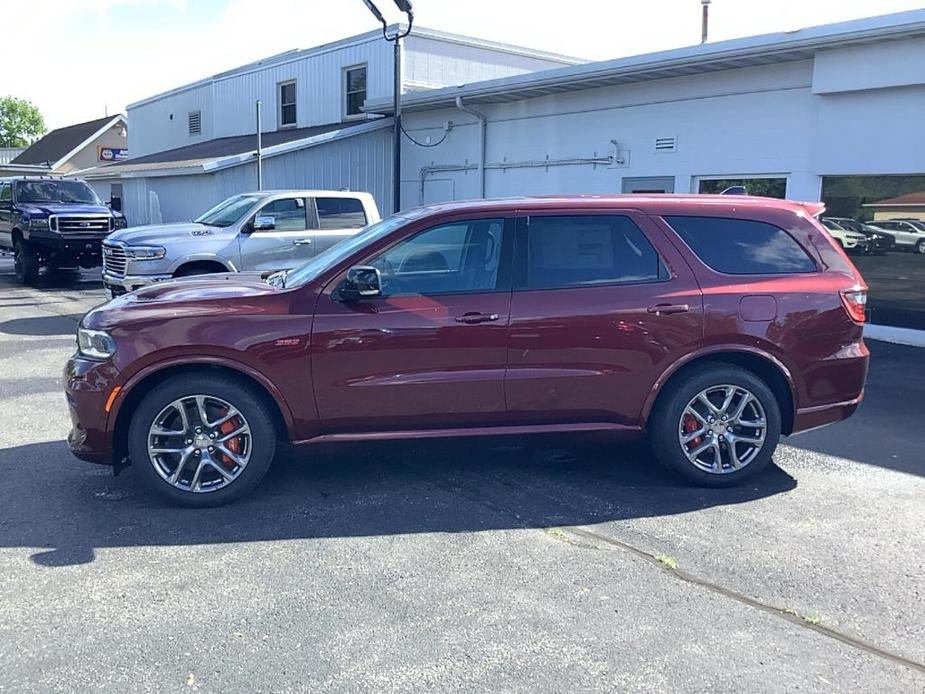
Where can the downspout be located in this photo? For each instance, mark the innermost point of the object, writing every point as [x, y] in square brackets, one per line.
[483, 128]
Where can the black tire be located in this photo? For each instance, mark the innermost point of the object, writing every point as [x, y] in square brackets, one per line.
[25, 262]
[244, 398]
[920, 247]
[666, 418]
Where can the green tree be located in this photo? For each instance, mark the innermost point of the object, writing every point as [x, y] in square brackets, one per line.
[20, 122]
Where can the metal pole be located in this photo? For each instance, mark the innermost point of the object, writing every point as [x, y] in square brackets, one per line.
[259, 150]
[705, 21]
[396, 144]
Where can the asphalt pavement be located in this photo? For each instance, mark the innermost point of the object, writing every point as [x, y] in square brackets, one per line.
[552, 564]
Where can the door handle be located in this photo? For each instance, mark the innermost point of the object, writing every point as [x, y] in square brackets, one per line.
[302, 242]
[668, 309]
[473, 317]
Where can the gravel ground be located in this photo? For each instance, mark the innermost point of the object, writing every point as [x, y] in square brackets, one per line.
[522, 565]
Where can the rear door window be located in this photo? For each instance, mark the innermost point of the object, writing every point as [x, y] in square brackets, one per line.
[340, 213]
[741, 246]
[587, 250]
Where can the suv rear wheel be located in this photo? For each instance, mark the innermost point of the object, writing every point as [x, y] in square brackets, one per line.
[716, 426]
[920, 247]
[202, 441]
[25, 262]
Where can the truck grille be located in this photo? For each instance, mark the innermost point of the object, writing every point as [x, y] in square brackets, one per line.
[114, 260]
[89, 224]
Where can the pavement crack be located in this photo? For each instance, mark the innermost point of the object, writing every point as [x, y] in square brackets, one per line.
[789, 615]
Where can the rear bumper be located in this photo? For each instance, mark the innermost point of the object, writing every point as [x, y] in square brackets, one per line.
[822, 415]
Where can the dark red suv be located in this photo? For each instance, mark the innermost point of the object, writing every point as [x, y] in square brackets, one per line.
[714, 324]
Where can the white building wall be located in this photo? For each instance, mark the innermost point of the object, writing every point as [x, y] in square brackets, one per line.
[164, 123]
[431, 63]
[750, 121]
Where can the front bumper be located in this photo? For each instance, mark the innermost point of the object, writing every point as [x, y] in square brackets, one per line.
[88, 385]
[120, 285]
[70, 246]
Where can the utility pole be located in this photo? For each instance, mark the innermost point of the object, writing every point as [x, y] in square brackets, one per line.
[705, 21]
[404, 6]
[259, 150]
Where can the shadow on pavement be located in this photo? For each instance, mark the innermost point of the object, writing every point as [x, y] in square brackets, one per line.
[42, 326]
[53, 501]
[887, 429]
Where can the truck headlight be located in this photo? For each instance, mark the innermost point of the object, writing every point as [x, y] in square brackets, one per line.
[96, 344]
[40, 223]
[119, 223]
[145, 252]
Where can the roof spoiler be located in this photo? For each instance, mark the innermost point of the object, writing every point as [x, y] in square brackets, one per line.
[814, 208]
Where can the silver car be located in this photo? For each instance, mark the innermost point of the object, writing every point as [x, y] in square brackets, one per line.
[265, 231]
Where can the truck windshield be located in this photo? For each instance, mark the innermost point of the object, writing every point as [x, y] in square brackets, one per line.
[56, 191]
[340, 251]
[226, 213]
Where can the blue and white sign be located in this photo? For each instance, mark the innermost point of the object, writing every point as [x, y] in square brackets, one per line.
[113, 153]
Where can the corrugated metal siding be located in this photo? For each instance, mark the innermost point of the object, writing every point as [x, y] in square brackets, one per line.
[361, 163]
[319, 88]
[434, 63]
[8, 154]
[153, 130]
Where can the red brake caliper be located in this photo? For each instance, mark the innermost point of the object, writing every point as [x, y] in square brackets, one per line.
[233, 445]
[690, 426]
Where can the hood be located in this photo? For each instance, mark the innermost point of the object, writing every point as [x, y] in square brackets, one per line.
[188, 296]
[48, 208]
[159, 234]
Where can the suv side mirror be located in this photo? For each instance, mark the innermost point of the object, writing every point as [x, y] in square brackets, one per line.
[115, 204]
[363, 282]
[262, 223]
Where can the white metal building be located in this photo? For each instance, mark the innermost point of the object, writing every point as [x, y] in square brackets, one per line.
[843, 99]
[194, 145]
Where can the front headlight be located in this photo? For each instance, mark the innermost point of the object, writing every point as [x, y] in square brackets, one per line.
[38, 223]
[96, 344]
[119, 223]
[145, 252]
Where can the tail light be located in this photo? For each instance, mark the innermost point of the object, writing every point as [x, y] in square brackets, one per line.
[855, 303]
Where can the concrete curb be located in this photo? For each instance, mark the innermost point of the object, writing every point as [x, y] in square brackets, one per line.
[900, 336]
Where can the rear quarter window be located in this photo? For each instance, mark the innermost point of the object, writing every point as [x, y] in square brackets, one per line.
[741, 246]
[340, 213]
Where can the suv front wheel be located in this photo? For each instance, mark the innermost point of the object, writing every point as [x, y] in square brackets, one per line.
[202, 440]
[717, 426]
[25, 262]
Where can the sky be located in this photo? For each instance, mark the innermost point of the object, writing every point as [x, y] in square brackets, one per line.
[80, 59]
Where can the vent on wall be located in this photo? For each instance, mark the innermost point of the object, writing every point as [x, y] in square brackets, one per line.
[666, 144]
[195, 123]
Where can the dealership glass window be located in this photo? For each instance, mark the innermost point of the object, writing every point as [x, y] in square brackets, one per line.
[578, 251]
[288, 214]
[765, 187]
[448, 259]
[741, 246]
[340, 213]
[892, 205]
[354, 90]
[287, 110]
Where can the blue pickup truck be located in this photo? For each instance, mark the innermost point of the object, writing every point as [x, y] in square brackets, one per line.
[53, 222]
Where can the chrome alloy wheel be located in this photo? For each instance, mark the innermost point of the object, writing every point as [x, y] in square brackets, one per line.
[199, 443]
[722, 429]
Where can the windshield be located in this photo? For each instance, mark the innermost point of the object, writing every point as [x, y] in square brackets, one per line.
[229, 211]
[56, 191]
[338, 252]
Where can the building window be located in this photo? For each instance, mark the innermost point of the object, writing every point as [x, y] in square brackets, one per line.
[765, 187]
[195, 123]
[287, 115]
[354, 91]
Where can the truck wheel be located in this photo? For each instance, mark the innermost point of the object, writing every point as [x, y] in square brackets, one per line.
[25, 262]
[920, 247]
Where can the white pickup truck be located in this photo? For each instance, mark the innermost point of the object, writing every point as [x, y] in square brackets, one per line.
[265, 231]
